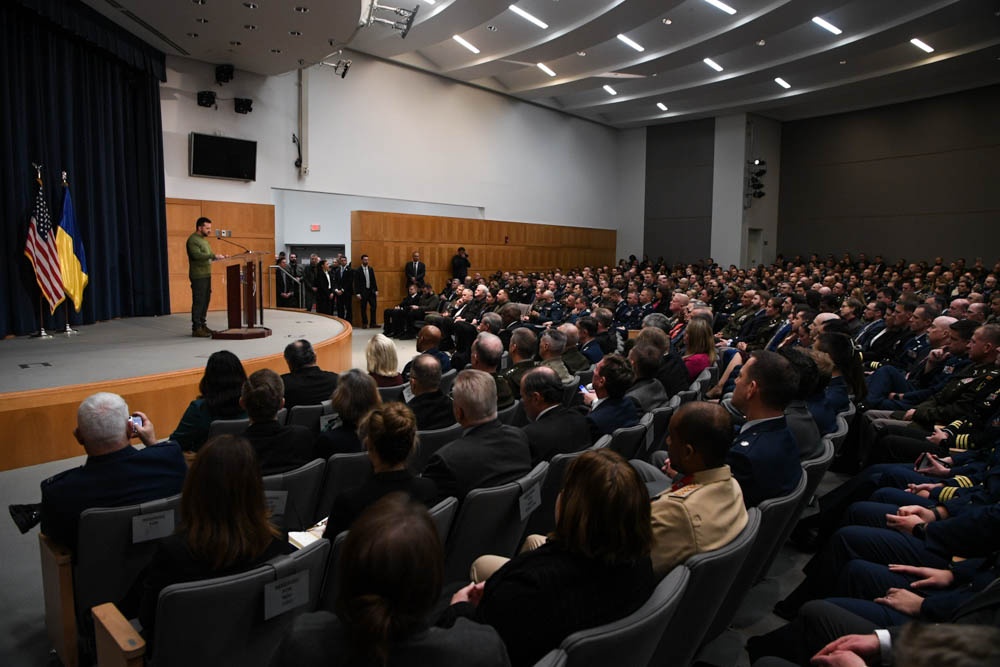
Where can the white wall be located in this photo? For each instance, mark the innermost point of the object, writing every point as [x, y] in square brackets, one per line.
[393, 133]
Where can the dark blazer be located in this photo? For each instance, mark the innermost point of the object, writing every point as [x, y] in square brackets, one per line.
[486, 455]
[432, 410]
[349, 504]
[125, 477]
[673, 374]
[343, 278]
[359, 281]
[308, 386]
[611, 414]
[280, 448]
[320, 638]
[558, 431]
[764, 459]
[415, 274]
[340, 440]
[592, 350]
[803, 427]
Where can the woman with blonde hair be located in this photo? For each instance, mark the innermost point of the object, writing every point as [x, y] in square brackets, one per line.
[699, 342]
[383, 364]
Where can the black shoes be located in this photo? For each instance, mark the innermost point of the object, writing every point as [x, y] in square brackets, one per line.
[26, 516]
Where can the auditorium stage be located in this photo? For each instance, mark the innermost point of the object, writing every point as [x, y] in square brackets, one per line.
[153, 362]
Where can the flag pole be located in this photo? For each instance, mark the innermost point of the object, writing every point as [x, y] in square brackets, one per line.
[70, 331]
[41, 333]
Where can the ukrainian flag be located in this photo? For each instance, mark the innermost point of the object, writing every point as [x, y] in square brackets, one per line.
[72, 259]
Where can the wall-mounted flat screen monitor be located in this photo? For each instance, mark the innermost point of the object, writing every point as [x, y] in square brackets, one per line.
[222, 157]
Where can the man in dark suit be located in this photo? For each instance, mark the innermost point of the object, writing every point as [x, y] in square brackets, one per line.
[305, 383]
[432, 408]
[646, 390]
[610, 408]
[279, 448]
[572, 358]
[366, 289]
[285, 286]
[115, 473]
[415, 271]
[343, 287]
[764, 457]
[590, 347]
[489, 453]
[554, 428]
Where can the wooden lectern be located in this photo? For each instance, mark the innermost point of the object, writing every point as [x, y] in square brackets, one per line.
[244, 298]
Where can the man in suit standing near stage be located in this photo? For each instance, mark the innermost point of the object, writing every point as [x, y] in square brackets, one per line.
[415, 271]
[343, 280]
[285, 286]
[200, 258]
[366, 289]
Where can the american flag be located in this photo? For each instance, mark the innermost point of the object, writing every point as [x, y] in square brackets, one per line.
[40, 250]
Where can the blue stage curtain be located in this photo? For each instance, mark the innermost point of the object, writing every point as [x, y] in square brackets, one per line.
[80, 94]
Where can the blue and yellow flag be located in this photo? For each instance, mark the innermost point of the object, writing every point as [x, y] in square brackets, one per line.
[72, 259]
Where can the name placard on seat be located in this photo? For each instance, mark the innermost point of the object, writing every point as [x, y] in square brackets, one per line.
[530, 500]
[276, 501]
[152, 526]
[286, 594]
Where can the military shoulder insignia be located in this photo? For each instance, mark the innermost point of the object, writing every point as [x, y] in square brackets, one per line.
[685, 491]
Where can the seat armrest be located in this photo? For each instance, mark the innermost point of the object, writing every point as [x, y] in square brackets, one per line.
[118, 643]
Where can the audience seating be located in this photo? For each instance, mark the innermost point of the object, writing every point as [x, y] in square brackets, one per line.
[444, 516]
[712, 575]
[629, 441]
[838, 436]
[491, 521]
[217, 621]
[775, 515]
[343, 471]
[570, 391]
[686, 396]
[815, 469]
[543, 519]
[702, 383]
[392, 394]
[628, 642]
[306, 415]
[108, 563]
[657, 422]
[587, 376]
[282, 416]
[507, 414]
[227, 427]
[428, 442]
[448, 379]
[302, 486]
[602, 442]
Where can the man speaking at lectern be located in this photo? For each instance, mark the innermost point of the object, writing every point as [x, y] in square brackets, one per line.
[200, 257]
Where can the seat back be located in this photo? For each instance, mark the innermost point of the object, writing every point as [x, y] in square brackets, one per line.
[343, 471]
[282, 416]
[491, 521]
[629, 642]
[712, 575]
[629, 441]
[687, 396]
[507, 414]
[228, 427]
[776, 514]
[570, 390]
[448, 379]
[306, 415]
[223, 621]
[444, 516]
[815, 468]
[543, 519]
[656, 430]
[838, 436]
[302, 487]
[702, 383]
[602, 442]
[114, 546]
[428, 442]
[587, 376]
[392, 394]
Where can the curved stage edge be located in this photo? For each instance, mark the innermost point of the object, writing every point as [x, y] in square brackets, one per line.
[37, 425]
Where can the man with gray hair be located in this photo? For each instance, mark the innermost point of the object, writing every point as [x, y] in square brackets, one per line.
[115, 473]
[551, 345]
[553, 428]
[485, 356]
[489, 453]
[522, 349]
[571, 356]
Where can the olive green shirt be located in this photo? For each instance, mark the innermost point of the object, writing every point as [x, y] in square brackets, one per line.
[200, 257]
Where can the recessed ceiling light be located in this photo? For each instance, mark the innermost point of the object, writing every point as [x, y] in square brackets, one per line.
[714, 65]
[545, 68]
[923, 46]
[721, 5]
[302, 10]
[250, 26]
[491, 28]
[843, 62]
[610, 90]
[251, 5]
[429, 2]
[275, 50]
[294, 33]
[761, 42]
[666, 21]
[781, 82]
[528, 17]
[661, 106]
[632, 43]
[826, 25]
[465, 43]
[235, 43]
[192, 34]
[201, 20]
[581, 53]
[198, 2]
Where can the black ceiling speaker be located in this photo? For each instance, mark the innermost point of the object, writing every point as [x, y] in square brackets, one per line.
[242, 105]
[223, 74]
[206, 98]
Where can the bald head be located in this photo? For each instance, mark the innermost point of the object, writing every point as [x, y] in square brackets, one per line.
[486, 352]
[428, 338]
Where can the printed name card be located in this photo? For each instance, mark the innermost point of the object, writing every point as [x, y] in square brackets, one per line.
[276, 501]
[286, 594]
[152, 526]
[530, 501]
